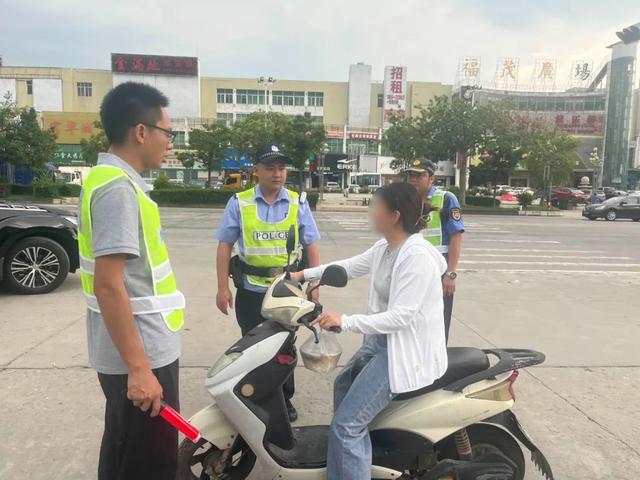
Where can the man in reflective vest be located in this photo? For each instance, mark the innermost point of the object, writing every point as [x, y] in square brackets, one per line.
[444, 228]
[258, 219]
[134, 307]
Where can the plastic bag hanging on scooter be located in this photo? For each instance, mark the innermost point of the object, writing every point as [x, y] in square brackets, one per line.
[321, 355]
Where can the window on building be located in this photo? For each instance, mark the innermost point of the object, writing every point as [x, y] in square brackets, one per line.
[317, 120]
[599, 104]
[288, 98]
[29, 87]
[316, 99]
[225, 117]
[249, 97]
[560, 105]
[179, 142]
[380, 100]
[589, 103]
[225, 95]
[335, 145]
[84, 89]
[241, 116]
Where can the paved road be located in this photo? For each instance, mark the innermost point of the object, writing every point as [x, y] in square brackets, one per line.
[565, 286]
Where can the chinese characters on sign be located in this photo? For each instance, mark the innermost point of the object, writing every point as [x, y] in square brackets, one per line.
[153, 64]
[70, 127]
[507, 72]
[580, 123]
[363, 135]
[469, 70]
[544, 74]
[581, 71]
[395, 94]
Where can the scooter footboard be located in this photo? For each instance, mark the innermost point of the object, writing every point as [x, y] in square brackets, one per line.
[214, 427]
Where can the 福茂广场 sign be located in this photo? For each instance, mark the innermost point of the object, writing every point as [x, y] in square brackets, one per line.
[153, 64]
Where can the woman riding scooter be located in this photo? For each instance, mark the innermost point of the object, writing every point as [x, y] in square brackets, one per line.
[404, 345]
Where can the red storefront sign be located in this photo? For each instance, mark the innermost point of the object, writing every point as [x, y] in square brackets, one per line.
[153, 64]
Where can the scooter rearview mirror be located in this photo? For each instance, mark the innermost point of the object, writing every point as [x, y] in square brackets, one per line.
[334, 276]
[291, 239]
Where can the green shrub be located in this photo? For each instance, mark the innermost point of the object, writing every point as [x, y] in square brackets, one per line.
[482, 201]
[454, 189]
[69, 190]
[162, 183]
[190, 196]
[45, 188]
[312, 198]
[200, 196]
[18, 189]
[4, 180]
[525, 199]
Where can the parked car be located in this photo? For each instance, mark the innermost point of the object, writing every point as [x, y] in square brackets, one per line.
[38, 247]
[614, 208]
[332, 187]
[354, 188]
[611, 192]
[560, 194]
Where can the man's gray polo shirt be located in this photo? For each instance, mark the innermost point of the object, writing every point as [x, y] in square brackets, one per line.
[117, 230]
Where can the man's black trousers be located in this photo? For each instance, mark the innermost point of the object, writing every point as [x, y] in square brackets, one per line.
[134, 445]
[248, 306]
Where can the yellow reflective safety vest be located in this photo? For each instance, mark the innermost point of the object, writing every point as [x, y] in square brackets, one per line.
[433, 232]
[265, 244]
[167, 299]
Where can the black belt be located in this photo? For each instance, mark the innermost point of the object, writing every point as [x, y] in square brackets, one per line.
[267, 272]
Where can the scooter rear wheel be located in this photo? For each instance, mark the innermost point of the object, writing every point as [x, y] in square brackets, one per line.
[198, 461]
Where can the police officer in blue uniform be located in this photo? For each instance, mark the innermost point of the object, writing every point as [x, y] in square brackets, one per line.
[444, 228]
[258, 220]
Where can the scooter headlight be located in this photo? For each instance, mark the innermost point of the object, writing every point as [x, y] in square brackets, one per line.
[223, 362]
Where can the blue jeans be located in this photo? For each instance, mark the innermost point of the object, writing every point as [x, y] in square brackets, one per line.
[356, 403]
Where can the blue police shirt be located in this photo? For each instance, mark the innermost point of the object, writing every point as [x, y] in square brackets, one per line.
[450, 226]
[230, 228]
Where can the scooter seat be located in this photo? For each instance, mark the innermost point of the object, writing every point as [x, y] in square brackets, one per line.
[463, 361]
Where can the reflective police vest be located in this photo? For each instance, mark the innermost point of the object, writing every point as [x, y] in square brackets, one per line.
[167, 299]
[433, 232]
[265, 244]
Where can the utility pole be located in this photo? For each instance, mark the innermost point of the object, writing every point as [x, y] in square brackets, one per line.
[323, 152]
[266, 82]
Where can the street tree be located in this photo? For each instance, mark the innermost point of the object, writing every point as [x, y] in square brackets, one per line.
[208, 146]
[450, 129]
[22, 141]
[259, 128]
[403, 141]
[305, 141]
[549, 150]
[96, 143]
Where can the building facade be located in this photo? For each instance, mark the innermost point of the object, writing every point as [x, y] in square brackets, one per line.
[352, 111]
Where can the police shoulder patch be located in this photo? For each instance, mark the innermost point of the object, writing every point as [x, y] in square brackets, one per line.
[303, 197]
[456, 214]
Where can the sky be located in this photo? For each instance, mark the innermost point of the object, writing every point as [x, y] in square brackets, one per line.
[315, 40]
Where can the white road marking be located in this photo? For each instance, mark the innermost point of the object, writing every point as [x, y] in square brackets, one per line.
[513, 241]
[562, 264]
[572, 272]
[473, 249]
[517, 255]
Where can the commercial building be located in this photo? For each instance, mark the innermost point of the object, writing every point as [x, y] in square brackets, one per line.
[352, 111]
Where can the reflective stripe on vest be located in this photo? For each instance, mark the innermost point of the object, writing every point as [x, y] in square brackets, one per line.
[264, 244]
[166, 300]
[433, 232]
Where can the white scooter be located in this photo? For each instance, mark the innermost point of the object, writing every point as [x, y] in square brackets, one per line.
[461, 427]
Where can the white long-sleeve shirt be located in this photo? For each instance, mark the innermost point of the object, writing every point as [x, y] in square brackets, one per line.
[413, 320]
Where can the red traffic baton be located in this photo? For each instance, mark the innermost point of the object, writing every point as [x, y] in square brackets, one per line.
[179, 422]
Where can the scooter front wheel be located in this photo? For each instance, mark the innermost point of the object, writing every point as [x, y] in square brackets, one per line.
[205, 461]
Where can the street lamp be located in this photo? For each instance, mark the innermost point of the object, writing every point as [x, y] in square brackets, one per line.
[597, 163]
[266, 82]
[324, 149]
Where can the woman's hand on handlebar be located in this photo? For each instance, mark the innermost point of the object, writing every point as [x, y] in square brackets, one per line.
[297, 276]
[328, 320]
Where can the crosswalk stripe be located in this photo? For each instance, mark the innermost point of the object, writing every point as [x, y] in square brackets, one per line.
[518, 255]
[502, 240]
[573, 272]
[475, 249]
[564, 264]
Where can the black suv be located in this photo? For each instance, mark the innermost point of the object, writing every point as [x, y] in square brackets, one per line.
[38, 247]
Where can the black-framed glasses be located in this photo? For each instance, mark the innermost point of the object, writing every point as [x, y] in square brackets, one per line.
[171, 135]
